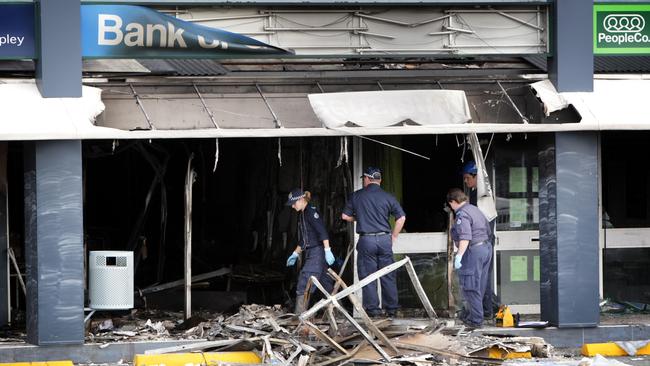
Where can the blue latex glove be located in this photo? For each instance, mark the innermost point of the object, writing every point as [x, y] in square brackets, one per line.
[292, 259]
[329, 257]
[457, 260]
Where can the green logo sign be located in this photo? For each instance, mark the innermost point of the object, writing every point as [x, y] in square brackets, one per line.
[621, 29]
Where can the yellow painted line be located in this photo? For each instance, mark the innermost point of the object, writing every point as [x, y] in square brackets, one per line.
[610, 349]
[186, 359]
[46, 363]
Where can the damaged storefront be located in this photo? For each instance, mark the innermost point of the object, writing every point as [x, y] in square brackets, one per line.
[180, 169]
[248, 144]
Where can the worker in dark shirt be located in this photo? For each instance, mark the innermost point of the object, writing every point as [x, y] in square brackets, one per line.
[471, 234]
[371, 208]
[470, 181]
[313, 241]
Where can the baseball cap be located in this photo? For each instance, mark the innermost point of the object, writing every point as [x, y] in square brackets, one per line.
[469, 168]
[294, 196]
[372, 173]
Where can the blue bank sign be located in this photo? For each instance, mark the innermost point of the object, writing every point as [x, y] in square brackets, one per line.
[127, 31]
[17, 31]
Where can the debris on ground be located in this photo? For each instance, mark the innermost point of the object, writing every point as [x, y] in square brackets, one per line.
[599, 360]
[609, 306]
[327, 333]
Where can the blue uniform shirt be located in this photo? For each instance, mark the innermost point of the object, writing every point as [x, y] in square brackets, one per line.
[311, 228]
[371, 207]
[470, 225]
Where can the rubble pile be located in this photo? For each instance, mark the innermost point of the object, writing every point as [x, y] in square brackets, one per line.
[328, 334]
[283, 338]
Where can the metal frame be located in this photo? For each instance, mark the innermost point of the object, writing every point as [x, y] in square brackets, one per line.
[359, 34]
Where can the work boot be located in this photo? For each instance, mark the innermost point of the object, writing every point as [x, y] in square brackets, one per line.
[470, 326]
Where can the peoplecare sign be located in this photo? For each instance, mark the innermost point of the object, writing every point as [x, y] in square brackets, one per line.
[622, 29]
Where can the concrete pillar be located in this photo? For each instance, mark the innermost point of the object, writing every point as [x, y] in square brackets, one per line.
[568, 196]
[58, 68]
[54, 251]
[571, 61]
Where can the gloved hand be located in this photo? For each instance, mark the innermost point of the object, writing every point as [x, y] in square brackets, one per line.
[457, 260]
[329, 257]
[292, 259]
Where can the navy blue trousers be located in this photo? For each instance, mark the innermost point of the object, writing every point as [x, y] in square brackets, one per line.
[374, 253]
[314, 265]
[473, 277]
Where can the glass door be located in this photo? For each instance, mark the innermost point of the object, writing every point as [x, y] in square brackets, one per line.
[517, 261]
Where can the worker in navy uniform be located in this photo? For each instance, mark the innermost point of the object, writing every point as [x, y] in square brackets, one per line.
[471, 234]
[469, 179]
[371, 207]
[313, 241]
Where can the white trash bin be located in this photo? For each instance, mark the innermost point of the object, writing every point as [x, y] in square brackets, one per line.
[110, 277]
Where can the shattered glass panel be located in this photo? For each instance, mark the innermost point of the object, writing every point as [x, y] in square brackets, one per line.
[626, 179]
[625, 274]
[432, 273]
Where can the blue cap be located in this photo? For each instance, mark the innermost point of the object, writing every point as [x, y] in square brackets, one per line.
[294, 196]
[372, 173]
[469, 168]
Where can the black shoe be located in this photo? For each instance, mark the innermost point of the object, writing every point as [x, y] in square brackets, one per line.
[375, 315]
[470, 325]
[391, 314]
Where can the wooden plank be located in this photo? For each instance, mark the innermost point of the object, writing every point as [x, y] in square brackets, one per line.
[334, 327]
[193, 346]
[419, 290]
[340, 359]
[351, 289]
[364, 316]
[179, 283]
[354, 323]
[293, 355]
[239, 328]
[325, 338]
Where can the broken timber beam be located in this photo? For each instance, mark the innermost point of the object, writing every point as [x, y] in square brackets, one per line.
[320, 334]
[199, 346]
[332, 299]
[420, 291]
[364, 316]
[220, 272]
[341, 359]
[373, 277]
[349, 317]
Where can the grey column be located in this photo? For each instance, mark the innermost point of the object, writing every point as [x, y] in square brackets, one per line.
[54, 252]
[58, 68]
[568, 195]
[571, 63]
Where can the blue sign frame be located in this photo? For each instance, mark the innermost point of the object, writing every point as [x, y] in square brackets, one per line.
[17, 31]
